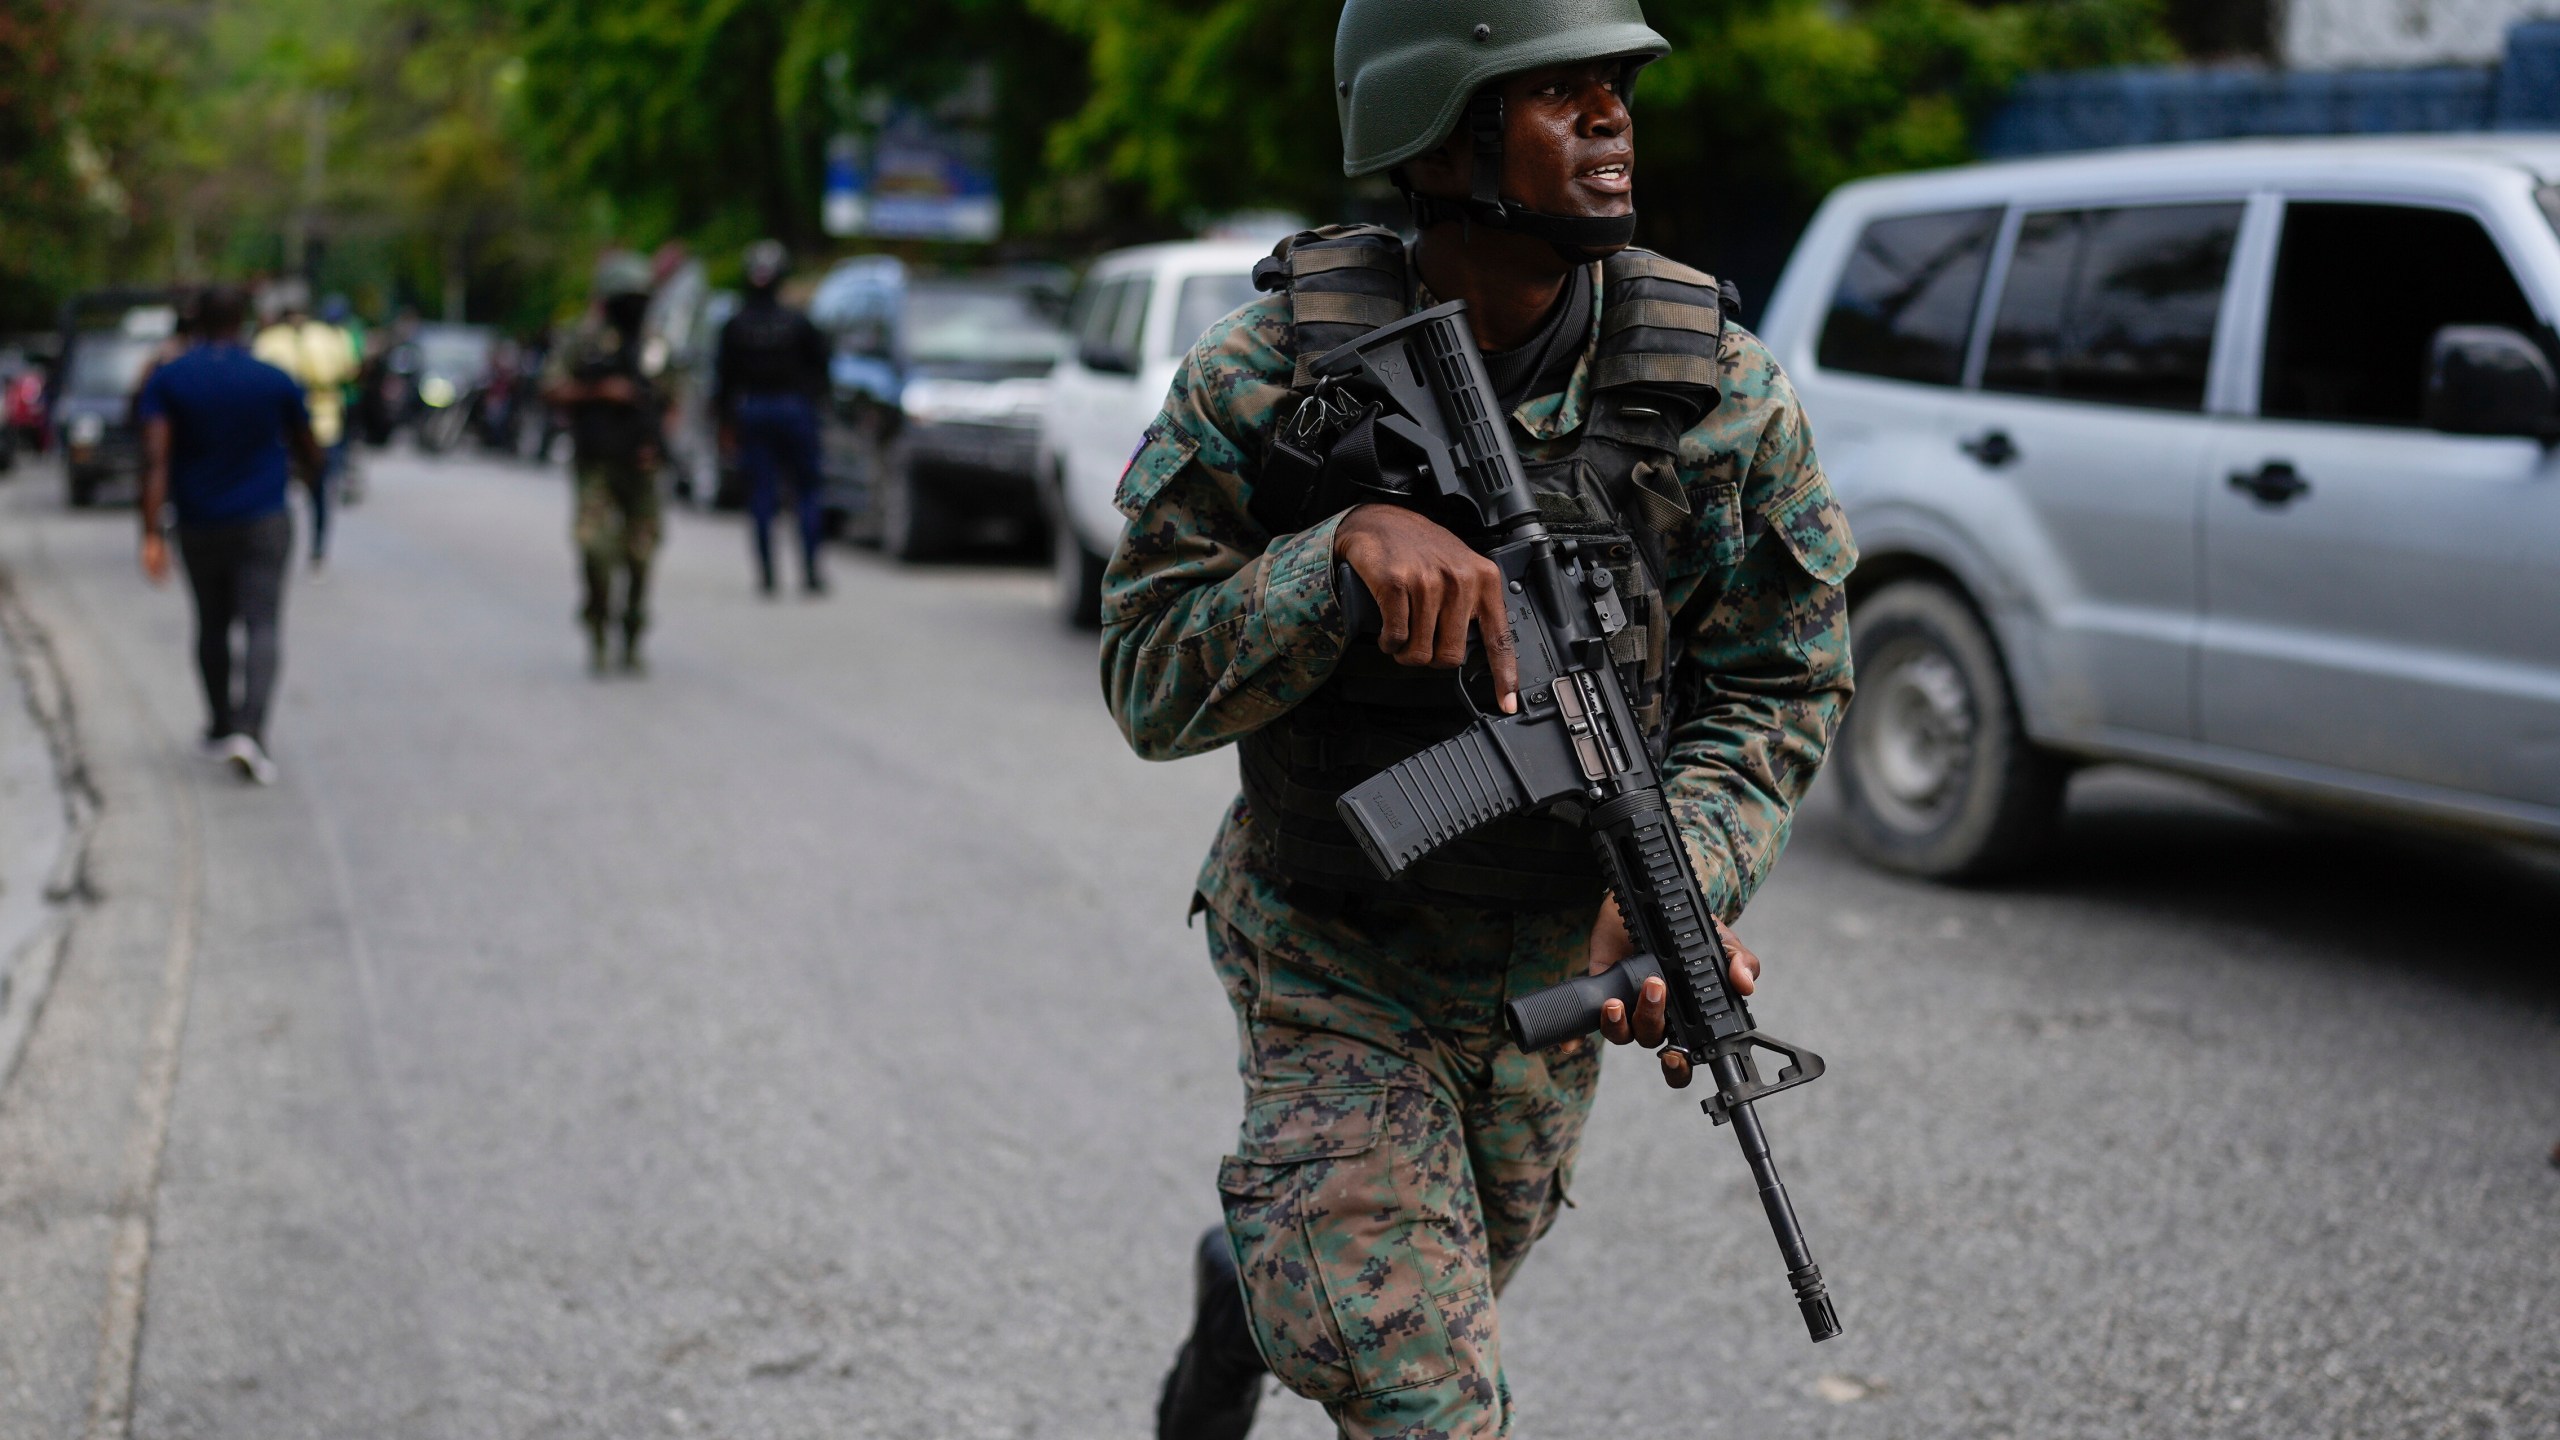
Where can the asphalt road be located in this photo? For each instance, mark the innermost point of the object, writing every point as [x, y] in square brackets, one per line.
[805, 1041]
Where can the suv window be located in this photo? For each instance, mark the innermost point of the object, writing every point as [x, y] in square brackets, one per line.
[2114, 305]
[2360, 292]
[1204, 301]
[1905, 305]
[1107, 326]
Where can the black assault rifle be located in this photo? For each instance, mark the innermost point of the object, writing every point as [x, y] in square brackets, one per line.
[1409, 412]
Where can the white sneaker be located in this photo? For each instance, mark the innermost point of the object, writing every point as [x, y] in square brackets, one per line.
[249, 760]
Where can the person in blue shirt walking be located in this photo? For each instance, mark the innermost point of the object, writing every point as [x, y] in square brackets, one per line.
[772, 374]
[218, 427]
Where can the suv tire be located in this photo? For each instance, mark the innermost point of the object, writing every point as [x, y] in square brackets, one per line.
[912, 525]
[1073, 567]
[1938, 775]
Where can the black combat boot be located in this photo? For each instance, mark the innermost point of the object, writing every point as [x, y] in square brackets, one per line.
[1217, 1375]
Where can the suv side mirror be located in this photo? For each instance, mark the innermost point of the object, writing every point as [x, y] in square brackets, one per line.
[2489, 380]
[1108, 359]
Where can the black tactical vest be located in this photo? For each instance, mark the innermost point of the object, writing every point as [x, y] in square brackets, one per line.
[1617, 491]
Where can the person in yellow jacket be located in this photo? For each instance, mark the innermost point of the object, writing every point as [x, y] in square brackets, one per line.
[321, 357]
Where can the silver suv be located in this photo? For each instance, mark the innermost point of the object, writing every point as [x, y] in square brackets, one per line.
[2231, 459]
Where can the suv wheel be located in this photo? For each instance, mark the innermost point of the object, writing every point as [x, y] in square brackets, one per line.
[1076, 570]
[1939, 776]
[911, 521]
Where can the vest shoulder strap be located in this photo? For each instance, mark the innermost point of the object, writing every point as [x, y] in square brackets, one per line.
[1343, 281]
[1661, 327]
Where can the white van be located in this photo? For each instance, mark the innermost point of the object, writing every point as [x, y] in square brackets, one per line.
[1128, 328]
[2232, 459]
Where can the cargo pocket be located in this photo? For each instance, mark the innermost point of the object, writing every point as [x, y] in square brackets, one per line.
[1322, 1234]
[1809, 521]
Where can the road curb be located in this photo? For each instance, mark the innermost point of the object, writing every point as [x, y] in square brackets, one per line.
[30, 957]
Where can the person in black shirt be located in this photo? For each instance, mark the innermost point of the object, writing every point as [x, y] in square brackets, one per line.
[772, 374]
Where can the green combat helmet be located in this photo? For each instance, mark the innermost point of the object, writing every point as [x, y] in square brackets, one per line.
[1404, 72]
[621, 272]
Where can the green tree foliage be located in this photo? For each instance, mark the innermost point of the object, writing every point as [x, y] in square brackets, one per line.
[470, 155]
[1210, 104]
[711, 119]
[74, 105]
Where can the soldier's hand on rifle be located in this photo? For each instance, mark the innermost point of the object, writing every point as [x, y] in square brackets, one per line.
[1611, 944]
[1430, 587]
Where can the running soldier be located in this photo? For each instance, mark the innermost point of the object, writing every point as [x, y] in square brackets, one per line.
[1398, 1155]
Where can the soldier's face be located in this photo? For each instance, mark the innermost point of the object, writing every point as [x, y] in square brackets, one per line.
[1568, 144]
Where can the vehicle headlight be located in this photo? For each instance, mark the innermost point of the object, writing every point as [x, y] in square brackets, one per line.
[88, 429]
[436, 390]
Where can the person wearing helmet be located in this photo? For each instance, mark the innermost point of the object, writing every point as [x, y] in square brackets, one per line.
[772, 374]
[1399, 1155]
[600, 377]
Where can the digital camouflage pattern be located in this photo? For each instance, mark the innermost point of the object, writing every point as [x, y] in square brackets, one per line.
[619, 517]
[619, 521]
[1389, 1174]
[1398, 1154]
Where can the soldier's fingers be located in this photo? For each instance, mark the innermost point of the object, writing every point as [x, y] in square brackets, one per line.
[1501, 653]
[1743, 967]
[1675, 1069]
[1651, 1001]
[1422, 646]
[1395, 621]
[1613, 1022]
[1457, 614]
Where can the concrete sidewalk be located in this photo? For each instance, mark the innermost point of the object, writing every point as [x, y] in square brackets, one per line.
[83, 1108]
[46, 807]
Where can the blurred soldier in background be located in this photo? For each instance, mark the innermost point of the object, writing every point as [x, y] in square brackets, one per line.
[772, 373]
[597, 376]
[321, 358]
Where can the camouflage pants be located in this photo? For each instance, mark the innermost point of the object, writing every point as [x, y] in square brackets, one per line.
[617, 528]
[1398, 1158]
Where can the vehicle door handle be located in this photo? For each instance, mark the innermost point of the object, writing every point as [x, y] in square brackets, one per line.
[1992, 447]
[2274, 483]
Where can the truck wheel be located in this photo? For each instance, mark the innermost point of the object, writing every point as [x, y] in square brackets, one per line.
[1078, 573]
[1939, 776]
[912, 525]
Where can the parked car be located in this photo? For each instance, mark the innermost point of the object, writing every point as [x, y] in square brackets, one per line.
[106, 349]
[974, 358]
[685, 316]
[444, 366]
[1136, 315]
[16, 370]
[2230, 459]
[22, 387]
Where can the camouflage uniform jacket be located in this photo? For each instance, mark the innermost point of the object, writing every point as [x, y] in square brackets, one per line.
[1213, 627]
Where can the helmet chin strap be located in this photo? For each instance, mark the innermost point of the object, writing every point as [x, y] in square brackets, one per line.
[1578, 238]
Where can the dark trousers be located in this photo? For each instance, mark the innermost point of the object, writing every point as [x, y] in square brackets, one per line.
[778, 441]
[237, 575]
[324, 496]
